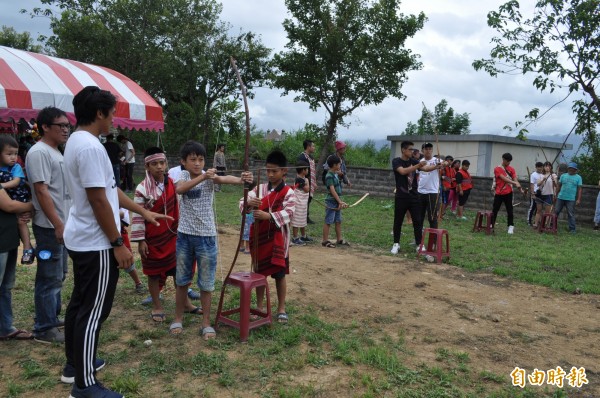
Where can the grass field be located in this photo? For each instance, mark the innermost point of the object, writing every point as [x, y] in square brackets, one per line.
[370, 363]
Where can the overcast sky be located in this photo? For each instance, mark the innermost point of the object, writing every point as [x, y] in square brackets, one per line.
[455, 34]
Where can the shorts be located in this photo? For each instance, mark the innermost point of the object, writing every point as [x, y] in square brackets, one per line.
[203, 249]
[463, 199]
[281, 274]
[332, 216]
[172, 272]
[546, 200]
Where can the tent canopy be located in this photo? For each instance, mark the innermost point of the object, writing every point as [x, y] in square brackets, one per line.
[31, 81]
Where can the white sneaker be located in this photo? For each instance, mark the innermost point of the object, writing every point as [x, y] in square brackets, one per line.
[395, 248]
[511, 230]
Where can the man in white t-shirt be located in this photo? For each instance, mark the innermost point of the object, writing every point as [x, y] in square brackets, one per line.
[534, 192]
[51, 200]
[129, 152]
[92, 236]
[429, 185]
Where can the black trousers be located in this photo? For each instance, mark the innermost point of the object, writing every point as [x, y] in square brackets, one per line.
[508, 203]
[412, 205]
[429, 205]
[308, 208]
[95, 281]
[129, 176]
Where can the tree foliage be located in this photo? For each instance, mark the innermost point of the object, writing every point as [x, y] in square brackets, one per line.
[178, 50]
[21, 41]
[559, 45]
[342, 55]
[443, 120]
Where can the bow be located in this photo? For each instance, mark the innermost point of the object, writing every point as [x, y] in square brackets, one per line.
[338, 208]
[246, 185]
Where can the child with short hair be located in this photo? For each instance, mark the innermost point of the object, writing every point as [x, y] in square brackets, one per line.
[196, 234]
[12, 179]
[333, 203]
[156, 244]
[302, 192]
[273, 205]
[464, 184]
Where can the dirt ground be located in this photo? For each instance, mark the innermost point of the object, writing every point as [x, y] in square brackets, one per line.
[500, 323]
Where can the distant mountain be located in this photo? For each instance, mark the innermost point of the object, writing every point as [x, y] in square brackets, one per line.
[574, 140]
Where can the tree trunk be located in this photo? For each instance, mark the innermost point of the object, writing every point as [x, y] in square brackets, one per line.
[329, 139]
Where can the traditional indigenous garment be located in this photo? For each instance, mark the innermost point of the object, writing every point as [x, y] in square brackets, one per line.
[159, 198]
[274, 234]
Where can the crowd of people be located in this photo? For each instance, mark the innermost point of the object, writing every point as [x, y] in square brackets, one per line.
[418, 191]
[78, 209]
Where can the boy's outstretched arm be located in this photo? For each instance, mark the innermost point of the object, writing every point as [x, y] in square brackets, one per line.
[230, 179]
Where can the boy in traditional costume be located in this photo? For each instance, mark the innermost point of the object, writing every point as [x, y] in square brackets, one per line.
[272, 204]
[156, 244]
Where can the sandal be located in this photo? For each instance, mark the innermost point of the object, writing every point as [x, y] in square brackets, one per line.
[328, 244]
[343, 242]
[176, 328]
[195, 311]
[158, 317]
[282, 317]
[18, 335]
[208, 333]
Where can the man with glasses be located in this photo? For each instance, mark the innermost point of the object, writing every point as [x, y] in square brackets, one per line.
[407, 198]
[51, 200]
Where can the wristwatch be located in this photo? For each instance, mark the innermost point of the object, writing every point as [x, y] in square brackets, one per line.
[117, 242]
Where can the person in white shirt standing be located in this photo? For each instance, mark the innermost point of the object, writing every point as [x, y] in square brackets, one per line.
[129, 152]
[429, 186]
[92, 237]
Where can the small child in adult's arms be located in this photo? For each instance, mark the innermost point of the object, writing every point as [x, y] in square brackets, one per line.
[333, 203]
[273, 206]
[302, 192]
[12, 179]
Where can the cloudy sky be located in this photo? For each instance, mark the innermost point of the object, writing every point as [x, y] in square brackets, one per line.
[455, 34]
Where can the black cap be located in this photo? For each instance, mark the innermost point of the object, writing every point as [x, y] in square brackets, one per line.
[427, 145]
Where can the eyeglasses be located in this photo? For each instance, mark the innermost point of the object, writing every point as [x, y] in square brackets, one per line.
[64, 126]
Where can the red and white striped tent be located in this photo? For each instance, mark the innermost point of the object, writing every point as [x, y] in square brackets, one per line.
[31, 81]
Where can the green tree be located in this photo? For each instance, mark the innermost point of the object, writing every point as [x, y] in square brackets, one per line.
[559, 45]
[342, 55]
[178, 50]
[443, 120]
[21, 41]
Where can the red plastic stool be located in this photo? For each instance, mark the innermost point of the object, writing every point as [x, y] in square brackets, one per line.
[548, 223]
[246, 281]
[479, 225]
[434, 247]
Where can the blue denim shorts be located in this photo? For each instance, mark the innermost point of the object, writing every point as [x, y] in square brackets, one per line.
[204, 250]
[332, 216]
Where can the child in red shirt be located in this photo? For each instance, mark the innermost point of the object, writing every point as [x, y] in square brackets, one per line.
[505, 177]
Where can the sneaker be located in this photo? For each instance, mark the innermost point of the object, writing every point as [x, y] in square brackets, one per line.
[306, 239]
[596, 227]
[140, 288]
[148, 300]
[298, 242]
[193, 295]
[94, 391]
[463, 218]
[68, 374]
[28, 256]
[395, 248]
[52, 335]
[511, 230]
